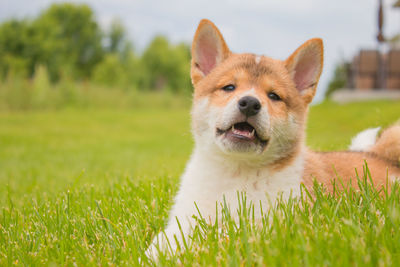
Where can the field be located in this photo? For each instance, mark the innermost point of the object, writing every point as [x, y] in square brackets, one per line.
[92, 186]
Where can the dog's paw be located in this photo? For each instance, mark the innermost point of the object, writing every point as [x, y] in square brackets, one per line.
[152, 252]
[159, 245]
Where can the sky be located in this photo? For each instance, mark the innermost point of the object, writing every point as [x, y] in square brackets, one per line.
[273, 28]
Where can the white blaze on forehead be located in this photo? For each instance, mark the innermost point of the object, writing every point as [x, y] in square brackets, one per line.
[257, 59]
[250, 92]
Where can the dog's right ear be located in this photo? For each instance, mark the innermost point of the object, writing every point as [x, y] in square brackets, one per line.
[208, 50]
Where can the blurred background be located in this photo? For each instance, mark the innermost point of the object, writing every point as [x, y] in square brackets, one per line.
[96, 91]
[99, 52]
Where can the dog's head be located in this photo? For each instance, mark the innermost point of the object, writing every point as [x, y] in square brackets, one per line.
[251, 106]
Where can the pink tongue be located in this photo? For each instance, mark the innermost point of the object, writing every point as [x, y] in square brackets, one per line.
[243, 128]
[242, 132]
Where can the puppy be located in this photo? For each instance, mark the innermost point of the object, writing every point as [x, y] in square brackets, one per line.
[248, 121]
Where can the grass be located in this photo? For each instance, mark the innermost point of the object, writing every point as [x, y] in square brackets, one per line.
[93, 186]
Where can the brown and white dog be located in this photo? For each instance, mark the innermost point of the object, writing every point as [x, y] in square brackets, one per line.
[248, 121]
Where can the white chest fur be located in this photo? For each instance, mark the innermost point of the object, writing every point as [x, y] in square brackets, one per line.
[207, 181]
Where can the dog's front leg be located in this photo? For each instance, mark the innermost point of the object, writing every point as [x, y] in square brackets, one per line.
[175, 236]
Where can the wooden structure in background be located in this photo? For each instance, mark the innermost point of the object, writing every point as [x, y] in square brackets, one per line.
[392, 71]
[373, 70]
[372, 74]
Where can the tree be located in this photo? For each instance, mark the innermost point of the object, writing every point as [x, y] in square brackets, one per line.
[66, 40]
[17, 54]
[118, 70]
[116, 37]
[339, 79]
[65, 36]
[70, 38]
[166, 66]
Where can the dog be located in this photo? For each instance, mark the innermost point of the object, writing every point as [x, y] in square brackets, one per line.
[248, 121]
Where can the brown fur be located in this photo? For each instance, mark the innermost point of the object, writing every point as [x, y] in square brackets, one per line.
[388, 144]
[382, 160]
[269, 75]
[344, 166]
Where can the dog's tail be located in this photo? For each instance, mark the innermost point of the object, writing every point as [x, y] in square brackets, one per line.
[364, 140]
[386, 145]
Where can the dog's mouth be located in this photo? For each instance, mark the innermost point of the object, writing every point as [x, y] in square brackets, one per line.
[242, 131]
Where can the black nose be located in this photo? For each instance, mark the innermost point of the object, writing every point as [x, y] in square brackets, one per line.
[249, 105]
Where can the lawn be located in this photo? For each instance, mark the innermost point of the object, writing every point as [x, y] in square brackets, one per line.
[93, 186]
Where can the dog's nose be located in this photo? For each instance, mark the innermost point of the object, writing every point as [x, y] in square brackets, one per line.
[249, 105]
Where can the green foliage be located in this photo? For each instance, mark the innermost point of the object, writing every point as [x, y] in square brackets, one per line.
[93, 186]
[69, 37]
[116, 37]
[65, 36]
[67, 41]
[166, 66]
[121, 71]
[27, 95]
[339, 80]
[17, 55]
[41, 86]
[110, 71]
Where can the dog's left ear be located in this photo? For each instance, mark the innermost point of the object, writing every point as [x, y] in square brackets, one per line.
[305, 67]
[208, 50]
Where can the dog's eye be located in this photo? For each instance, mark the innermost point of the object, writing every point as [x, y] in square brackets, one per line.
[274, 96]
[229, 87]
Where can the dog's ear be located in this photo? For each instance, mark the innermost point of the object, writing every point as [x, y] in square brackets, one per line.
[305, 67]
[208, 50]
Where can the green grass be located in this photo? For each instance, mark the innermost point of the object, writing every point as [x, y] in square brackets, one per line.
[93, 186]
